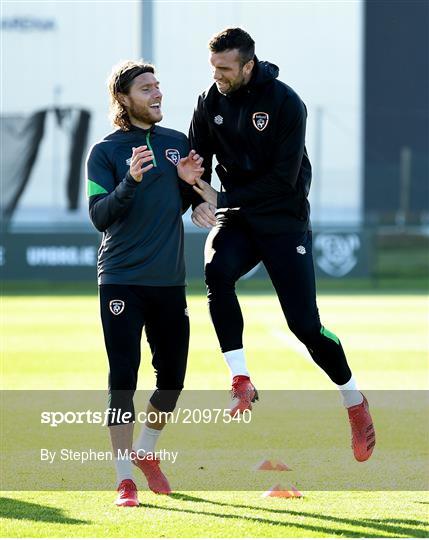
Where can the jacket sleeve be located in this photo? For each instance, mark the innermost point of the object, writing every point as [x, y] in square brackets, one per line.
[187, 193]
[199, 139]
[283, 167]
[107, 201]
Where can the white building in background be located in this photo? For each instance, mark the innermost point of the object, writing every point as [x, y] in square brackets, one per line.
[60, 54]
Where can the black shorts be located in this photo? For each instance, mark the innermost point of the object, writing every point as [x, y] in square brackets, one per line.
[162, 312]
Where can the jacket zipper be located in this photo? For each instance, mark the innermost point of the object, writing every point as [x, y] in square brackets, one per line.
[150, 148]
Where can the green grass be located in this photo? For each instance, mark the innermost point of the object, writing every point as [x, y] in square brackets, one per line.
[55, 342]
[217, 514]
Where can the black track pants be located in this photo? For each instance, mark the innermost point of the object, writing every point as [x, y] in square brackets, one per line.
[162, 311]
[231, 251]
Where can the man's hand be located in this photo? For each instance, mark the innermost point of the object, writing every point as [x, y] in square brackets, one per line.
[189, 168]
[204, 216]
[140, 156]
[206, 192]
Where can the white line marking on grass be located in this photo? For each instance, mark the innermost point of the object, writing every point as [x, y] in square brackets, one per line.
[292, 343]
[369, 343]
[363, 342]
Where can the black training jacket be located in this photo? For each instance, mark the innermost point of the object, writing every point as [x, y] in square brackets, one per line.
[142, 225]
[258, 137]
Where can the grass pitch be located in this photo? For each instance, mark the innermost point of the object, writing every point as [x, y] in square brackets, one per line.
[56, 342]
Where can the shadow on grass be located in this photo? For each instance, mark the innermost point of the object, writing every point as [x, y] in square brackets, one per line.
[282, 523]
[398, 526]
[15, 509]
[402, 521]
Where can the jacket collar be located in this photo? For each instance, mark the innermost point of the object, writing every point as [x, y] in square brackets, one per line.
[137, 129]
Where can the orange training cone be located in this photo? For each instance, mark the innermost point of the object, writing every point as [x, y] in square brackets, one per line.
[279, 491]
[296, 492]
[272, 465]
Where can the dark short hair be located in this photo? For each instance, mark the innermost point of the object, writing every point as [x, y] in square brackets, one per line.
[234, 38]
[120, 81]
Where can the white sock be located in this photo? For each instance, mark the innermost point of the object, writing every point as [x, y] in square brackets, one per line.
[236, 362]
[350, 393]
[147, 439]
[124, 469]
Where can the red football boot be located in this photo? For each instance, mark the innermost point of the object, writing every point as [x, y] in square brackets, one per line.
[363, 434]
[243, 394]
[156, 479]
[127, 494]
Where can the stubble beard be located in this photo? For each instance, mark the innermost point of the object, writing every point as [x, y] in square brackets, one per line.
[144, 115]
[233, 86]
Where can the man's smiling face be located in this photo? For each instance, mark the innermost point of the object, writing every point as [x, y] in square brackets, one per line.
[143, 101]
[228, 71]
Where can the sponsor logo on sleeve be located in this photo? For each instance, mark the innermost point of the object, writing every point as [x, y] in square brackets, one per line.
[173, 155]
[260, 120]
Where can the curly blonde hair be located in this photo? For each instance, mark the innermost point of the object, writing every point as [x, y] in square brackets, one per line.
[119, 82]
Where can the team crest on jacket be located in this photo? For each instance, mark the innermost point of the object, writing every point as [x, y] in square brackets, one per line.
[218, 120]
[116, 306]
[260, 120]
[172, 155]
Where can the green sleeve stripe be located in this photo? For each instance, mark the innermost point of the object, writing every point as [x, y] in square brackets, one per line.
[92, 188]
[329, 335]
[150, 148]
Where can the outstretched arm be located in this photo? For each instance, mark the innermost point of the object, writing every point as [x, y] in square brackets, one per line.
[206, 192]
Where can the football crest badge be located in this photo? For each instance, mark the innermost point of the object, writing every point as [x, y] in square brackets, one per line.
[172, 155]
[337, 254]
[260, 120]
[116, 306]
